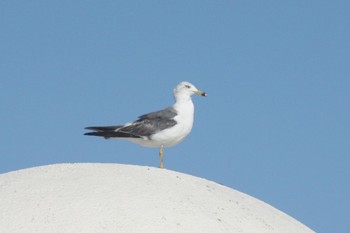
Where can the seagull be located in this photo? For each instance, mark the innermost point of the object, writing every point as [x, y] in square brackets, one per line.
[162, 128]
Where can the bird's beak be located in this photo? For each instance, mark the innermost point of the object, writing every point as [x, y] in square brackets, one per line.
[202, 93]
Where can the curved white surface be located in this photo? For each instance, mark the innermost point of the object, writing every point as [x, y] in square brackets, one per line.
[123, 198]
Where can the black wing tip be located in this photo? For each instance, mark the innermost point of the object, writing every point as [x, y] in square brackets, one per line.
[99, 134]
[90, 134]
[110, 134]
[93, 134]
[93, 127]
[104, 128]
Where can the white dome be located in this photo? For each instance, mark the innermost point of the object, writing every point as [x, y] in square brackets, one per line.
[72, 198]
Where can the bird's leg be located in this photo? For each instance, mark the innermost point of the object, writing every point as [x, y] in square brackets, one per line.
[161, 156]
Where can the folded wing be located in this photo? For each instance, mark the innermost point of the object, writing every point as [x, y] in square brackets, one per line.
[144, 127]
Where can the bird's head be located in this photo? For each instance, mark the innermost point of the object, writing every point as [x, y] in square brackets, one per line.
[187, 89]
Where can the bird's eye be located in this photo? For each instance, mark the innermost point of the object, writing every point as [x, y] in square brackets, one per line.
[188, 86]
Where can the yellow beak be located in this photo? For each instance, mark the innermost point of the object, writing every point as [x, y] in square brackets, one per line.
[202, 93]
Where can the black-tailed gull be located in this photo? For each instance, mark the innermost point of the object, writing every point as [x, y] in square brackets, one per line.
[160, 129]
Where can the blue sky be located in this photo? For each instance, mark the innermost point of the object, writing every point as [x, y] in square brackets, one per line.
[275, 124]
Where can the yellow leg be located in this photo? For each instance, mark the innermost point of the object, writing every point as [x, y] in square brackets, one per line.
[161, 157]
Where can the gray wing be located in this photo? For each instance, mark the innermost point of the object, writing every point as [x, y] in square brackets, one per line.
[145, 126]
[154, 122]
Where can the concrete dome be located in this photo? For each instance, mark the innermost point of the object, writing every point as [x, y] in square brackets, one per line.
[123, 198]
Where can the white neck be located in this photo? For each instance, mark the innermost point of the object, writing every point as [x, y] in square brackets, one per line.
[183, 100]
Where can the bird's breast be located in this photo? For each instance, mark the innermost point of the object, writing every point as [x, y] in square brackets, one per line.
[184, 123]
